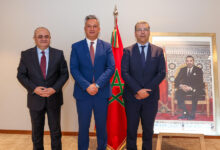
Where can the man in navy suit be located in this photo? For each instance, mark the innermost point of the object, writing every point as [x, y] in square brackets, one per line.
[189, 81]
[142, 68]
[92, 65]
[43, 72]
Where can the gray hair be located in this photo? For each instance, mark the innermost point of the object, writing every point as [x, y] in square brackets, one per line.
[35, 31]
[91, 17]
[141, 22]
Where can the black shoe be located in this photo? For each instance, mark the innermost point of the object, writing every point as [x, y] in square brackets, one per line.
[191, 117]
[184, 116]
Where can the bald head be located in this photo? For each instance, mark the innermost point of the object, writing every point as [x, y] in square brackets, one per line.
[42, 38]
[40, 28]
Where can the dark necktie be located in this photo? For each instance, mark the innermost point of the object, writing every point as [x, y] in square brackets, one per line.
[43, 64]
[188, 71]
[143, 56]
[92, 55]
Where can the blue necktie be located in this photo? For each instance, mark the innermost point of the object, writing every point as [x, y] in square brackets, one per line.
[143, 56]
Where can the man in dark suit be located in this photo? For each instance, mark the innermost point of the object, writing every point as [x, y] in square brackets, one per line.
[143, 68]
[92, 65]
[189, 81]
[43, 72]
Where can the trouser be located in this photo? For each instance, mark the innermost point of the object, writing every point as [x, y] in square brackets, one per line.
[146, 111]
[38, 120]
[181, 97]
[84, 108]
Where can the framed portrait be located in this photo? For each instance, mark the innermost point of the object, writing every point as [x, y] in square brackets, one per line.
[190, 89]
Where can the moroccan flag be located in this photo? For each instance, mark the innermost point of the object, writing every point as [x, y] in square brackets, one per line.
[116, 120]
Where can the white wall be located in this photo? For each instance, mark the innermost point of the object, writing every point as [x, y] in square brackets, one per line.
[65, 20]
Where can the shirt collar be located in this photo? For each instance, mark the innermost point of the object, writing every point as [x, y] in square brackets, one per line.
[89, 41]
[46, 51]
[146, 44]
[190, 68]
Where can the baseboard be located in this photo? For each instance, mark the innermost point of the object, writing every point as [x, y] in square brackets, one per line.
[45, 132]
[65, 133]
[15, 131]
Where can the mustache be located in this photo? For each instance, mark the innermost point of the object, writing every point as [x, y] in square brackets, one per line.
[43, 41]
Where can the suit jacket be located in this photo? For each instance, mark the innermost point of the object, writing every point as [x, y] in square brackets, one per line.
[136, 77]
[83, 71]
[30, 76]
[195, 79]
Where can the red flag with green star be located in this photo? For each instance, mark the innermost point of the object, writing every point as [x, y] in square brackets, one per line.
[116, 120]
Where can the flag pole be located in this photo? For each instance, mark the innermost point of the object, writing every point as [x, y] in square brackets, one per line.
[116, 120]
[115, 13]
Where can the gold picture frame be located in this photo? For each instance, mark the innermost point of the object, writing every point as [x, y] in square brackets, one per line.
[194, 41]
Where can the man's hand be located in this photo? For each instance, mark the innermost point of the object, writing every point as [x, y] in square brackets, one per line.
[188, 88]
[40, 90]
[182, 86]
[142, 94]
[50, 91]
[92, 89]
[137, 97]
[44, 92]
[185, 88]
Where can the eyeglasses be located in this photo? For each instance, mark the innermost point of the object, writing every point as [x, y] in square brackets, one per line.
[142, 29]
[41, 37]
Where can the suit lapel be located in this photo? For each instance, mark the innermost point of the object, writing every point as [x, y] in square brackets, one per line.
[193, 71]
[147, 63]
[50, 62]
[86, 51]
[149, 59]
[137, 55]
[36, 61]
[185, 71]
[98, 50]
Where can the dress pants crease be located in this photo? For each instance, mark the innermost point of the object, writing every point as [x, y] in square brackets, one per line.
[38, 122]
